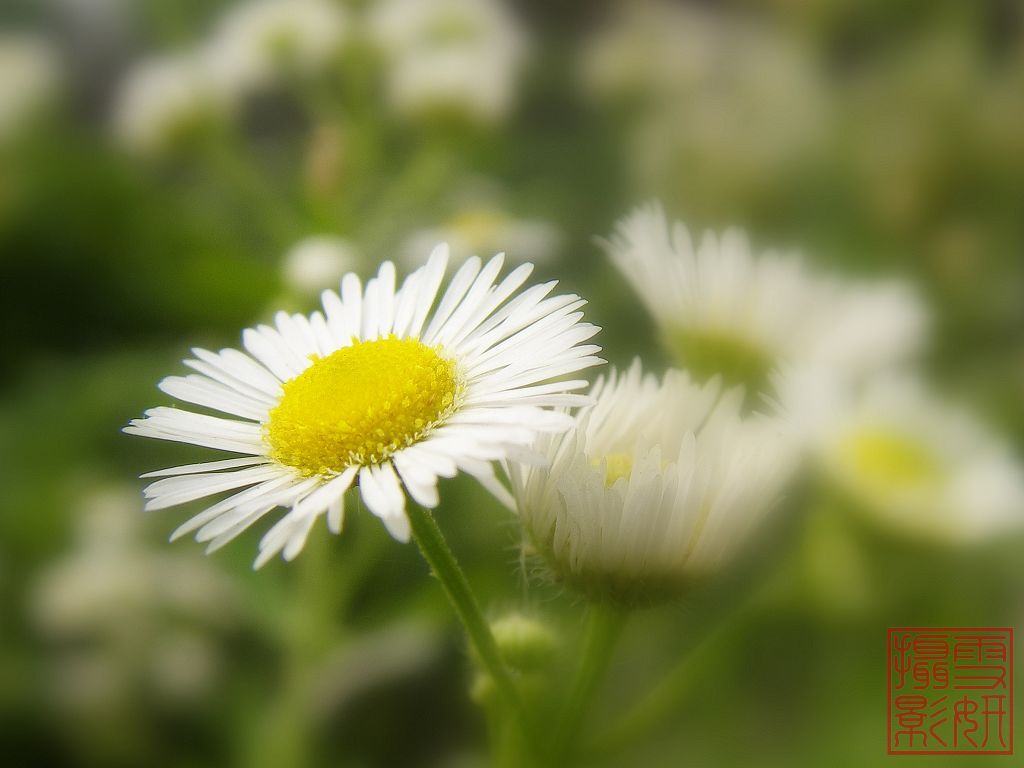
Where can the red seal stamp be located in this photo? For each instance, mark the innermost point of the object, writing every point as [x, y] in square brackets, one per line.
[950, 690]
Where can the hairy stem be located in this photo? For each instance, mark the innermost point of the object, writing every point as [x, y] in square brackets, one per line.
[442, 562]
[604, 626]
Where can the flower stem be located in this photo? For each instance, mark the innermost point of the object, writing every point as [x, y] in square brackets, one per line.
[442, 562]
[604, 626]
[663, 698]
[285, 733]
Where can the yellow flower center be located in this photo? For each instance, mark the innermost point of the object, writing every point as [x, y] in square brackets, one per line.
[890, 462]
[362, 403]
[616, 465]
[478, 226]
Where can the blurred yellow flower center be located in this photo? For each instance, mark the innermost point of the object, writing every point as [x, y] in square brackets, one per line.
[890, 461]
[451, 28]
[362, 403]
[617, 465]
[478, 226]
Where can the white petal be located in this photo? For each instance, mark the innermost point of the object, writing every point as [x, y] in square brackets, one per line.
[205, 392]
[385, 299]
[419, 481]
[206, 466]
[460, 283]
[172, 491]
[239, 370]
[269, 351]
[352, 302]
[432, 274]
[471, 303]
[250, 494]
[381, 499]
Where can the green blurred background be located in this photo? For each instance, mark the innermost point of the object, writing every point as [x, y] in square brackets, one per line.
[882, 138]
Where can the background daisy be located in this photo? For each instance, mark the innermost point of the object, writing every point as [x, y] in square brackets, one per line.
[30, 74]
[459, 55]
[658, 485]
[722, 308]
[908, 460]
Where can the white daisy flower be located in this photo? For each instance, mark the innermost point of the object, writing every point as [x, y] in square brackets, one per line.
[164, 98]
[450, 54]
[723, 309]
[29, 75]
[259, 40]
[658, 486]
[908, 460]
[386, 387]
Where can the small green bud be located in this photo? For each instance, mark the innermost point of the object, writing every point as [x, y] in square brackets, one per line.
[482, 691]
[526, 644]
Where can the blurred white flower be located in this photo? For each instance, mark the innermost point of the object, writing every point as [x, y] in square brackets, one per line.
[656, 488]
[29, 77]
[723, 309]
[183, 665]
[148, 616]
[318, 262]
[731, 104]
[464, 55]
[163, 99]
[112, 575]
[911, 461]
[258, 41]
[373, 660]
[648, 49]
[486, 229]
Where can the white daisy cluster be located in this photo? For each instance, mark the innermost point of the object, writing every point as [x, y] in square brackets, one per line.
[656, 487]
[463, 55]
[912, 462]
[833, 354]
[29, 75]
[256, 43]
[388, 387]
[721, 308]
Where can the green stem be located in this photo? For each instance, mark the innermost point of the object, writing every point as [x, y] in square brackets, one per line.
[285, 733]
[310, 630]
[442, 562]
[664, 697]
[604, 626]
[662, 700]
